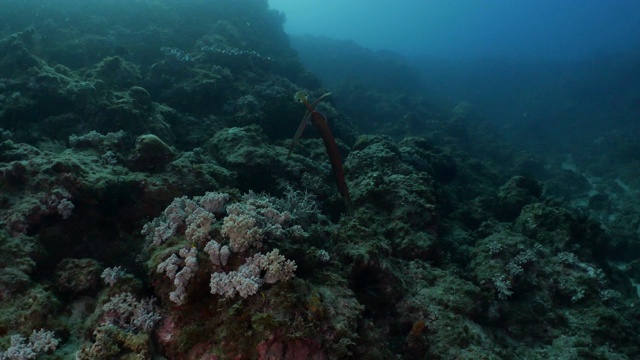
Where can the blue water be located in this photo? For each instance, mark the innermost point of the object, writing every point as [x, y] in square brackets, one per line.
[545, 29]
[546, 73]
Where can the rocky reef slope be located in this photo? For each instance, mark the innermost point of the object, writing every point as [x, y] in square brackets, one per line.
[149, 210]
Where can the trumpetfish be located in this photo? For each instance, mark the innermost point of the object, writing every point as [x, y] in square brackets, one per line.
[320, 123]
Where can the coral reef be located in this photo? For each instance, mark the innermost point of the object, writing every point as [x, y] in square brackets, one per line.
[148, 208]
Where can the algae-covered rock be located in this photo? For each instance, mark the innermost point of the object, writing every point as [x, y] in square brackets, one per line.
[140, 97]
[515, 194]
[151, 154]
[25, 304]
[78, 276]
[245, 150]
[116, 72]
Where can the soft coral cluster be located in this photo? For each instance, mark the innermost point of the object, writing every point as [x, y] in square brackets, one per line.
[247, 280]
[193, 217]
[123, 330]
[21, 349]
[235, 265]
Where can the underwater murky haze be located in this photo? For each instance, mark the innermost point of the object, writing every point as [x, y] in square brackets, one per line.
[471, 28]
[545, 72]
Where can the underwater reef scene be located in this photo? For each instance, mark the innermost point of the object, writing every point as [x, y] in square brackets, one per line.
[150, 209]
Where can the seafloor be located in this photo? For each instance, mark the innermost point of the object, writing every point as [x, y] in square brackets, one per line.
[149, 209]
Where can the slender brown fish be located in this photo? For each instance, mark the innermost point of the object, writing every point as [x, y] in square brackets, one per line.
[320, 123]
[300, 96]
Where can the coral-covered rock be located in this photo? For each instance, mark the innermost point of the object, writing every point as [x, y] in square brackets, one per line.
[515, 194]
[151, 154]
[78, 276]
[290, 350]
[116, 72]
